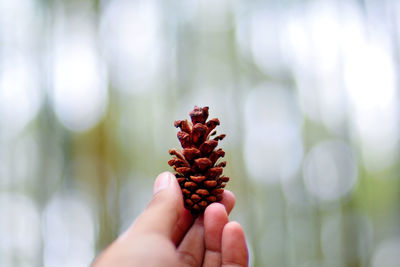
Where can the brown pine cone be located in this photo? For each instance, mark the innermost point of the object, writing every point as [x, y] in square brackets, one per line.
[197, 170]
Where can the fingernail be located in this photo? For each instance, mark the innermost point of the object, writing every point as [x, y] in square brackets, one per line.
[163, 180]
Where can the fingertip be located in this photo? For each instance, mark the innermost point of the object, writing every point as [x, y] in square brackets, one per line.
[167, 180]
[215, 209]
[228, 200]
[166, 206]
[234, 247]
[176, 185]
[235, 227]
[163, 181]
[215, 218]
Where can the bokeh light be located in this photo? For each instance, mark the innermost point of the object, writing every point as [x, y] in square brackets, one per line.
[330, 170]
[20, 96]
[80, 85]
[387, 253]
[19, 229]
[68, 231]
[272, 124]
[131, 35]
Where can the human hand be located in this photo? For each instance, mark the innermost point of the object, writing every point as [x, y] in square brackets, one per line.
[165, 234]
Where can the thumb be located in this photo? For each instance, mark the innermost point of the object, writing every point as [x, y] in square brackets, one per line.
[164, 210]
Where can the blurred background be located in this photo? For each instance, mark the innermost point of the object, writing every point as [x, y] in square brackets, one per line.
[306, 91]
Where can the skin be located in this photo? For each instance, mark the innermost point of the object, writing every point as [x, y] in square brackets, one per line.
[166, 235]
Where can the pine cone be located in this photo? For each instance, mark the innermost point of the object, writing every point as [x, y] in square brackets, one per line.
[197, 171]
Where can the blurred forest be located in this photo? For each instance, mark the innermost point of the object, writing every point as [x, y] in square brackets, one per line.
[306, 91]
